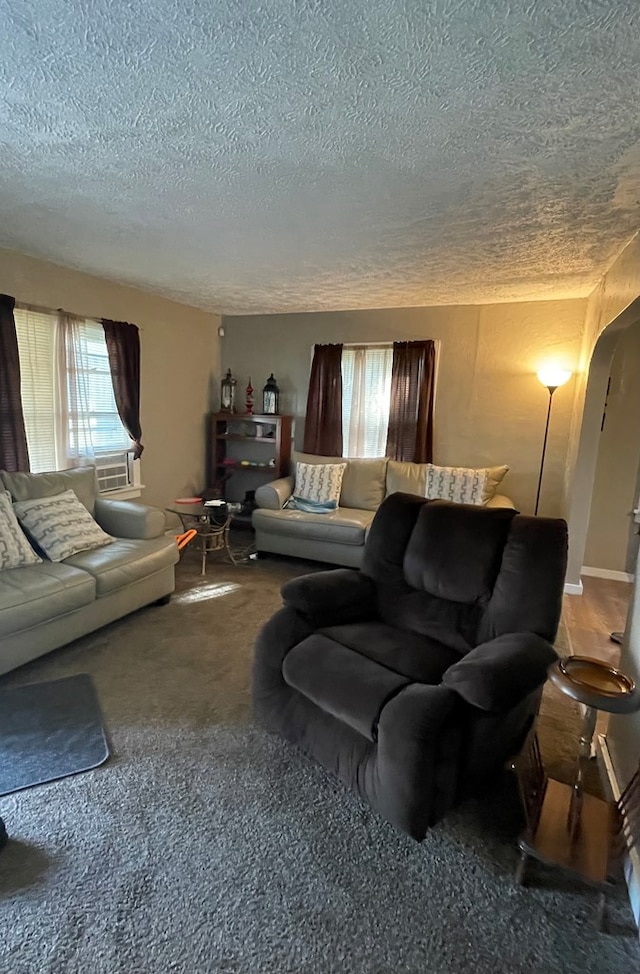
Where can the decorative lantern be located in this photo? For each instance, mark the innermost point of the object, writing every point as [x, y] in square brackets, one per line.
[271, 397]
[227, 393]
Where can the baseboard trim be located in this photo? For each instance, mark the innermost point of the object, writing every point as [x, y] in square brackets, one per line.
[632, 858]
[571, 588]
[607, 573]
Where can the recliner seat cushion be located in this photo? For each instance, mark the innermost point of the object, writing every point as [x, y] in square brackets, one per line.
[37, 593]
[124, 561]
[417, 657]
[451, 624]
[343, 683]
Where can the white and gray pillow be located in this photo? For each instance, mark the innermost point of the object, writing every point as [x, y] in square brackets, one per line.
[317, 487]
[464, 485]
[60, 525]
[15, 550]
[320, 482]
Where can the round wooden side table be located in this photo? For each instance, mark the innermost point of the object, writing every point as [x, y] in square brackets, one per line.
[597, 686]
[565, 826]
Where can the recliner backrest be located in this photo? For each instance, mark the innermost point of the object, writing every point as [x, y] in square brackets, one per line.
[464, 574]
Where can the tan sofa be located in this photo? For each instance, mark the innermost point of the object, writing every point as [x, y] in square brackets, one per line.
[46, 605]
[338, 537]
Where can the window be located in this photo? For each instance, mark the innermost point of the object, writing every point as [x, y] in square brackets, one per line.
[366, 396]
[68, 403]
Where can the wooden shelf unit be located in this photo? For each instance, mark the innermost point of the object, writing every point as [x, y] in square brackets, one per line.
[230, 433]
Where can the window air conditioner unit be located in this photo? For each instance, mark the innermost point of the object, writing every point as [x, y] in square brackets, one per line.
[114, 470]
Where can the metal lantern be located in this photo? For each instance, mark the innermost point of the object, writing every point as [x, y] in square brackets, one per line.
[271, 397]
[227, 392]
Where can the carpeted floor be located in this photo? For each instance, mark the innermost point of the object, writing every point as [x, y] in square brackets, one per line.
[205, 845]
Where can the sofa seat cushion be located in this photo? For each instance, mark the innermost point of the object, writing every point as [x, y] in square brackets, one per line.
[345, 684]
[345, 526]
[35, 594]
[412, 655]
[125, 561]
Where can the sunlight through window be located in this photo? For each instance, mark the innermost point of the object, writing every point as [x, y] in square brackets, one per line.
[216, 590]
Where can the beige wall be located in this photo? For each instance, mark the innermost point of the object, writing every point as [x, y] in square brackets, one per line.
[612, 307]
[179, 363]
[614, 488]
[623, 733]
[490, 407]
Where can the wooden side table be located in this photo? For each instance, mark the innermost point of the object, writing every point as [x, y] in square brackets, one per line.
[565, 826]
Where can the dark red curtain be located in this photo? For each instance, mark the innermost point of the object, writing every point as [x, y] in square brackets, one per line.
[14, 454]
[323, 423]
[410, 435]
[123, 346]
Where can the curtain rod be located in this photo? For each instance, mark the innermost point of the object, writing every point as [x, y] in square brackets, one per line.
[39, 309]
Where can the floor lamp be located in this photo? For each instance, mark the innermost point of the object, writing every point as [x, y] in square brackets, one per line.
[552, 378]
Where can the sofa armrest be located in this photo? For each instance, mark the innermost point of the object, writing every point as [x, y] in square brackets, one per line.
[332, 598]
[500, 500]
[124, 519]
[274, 495]
[498, 674]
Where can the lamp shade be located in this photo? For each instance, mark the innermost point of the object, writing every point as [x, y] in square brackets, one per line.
[553, 377]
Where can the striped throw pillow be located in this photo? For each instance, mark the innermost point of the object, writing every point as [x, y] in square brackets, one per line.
[15, 550]
[318, 483]
[60, 525]
[463, 485]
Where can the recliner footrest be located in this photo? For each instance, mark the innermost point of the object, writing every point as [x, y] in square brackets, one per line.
[342, 682]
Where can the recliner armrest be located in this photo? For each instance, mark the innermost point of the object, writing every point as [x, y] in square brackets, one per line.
[332, 598]
[498, 674]
[124, 519]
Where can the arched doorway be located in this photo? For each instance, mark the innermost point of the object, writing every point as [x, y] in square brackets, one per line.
[584, 476]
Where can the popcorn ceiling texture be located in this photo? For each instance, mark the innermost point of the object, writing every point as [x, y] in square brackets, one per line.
[250, 156]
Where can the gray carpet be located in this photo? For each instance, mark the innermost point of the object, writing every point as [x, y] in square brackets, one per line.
[49, 730]
[205, 845]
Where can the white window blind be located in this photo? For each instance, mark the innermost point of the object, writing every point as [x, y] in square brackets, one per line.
[68, 403]
[366, 395]
[94, 425]
[36, 349]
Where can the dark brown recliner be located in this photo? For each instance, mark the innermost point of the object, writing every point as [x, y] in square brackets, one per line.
[416, 678]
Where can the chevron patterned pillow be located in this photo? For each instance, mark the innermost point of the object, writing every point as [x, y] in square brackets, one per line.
[15, 550]
[60, 525]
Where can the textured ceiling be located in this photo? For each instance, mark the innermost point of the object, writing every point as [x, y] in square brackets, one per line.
[281, 155]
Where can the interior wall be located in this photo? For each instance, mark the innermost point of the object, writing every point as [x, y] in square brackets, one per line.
[623, 732]
[490, 407]
[614, 488]
[179, 363]
[611, 307]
